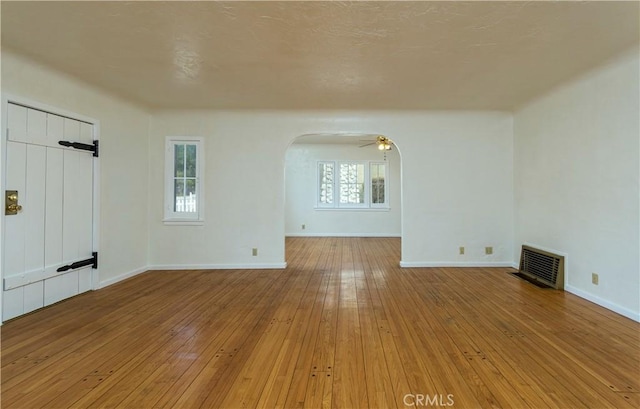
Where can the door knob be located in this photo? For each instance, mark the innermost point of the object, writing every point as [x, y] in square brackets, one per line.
[14, 208]
[11, 206]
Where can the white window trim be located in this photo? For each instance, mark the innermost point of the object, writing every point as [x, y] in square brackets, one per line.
[367, 205]
[172, 218]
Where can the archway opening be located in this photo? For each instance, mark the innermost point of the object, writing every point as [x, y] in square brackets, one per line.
[343, 185]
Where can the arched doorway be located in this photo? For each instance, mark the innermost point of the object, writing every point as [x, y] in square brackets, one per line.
[345, 185]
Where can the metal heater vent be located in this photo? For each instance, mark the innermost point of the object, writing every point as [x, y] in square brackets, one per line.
[542, 266]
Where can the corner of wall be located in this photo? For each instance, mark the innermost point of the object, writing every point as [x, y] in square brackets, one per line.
[585, 190]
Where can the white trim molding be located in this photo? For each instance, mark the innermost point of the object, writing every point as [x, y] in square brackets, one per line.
[195, 201]
[419, 264]
[121, 277]
[625, 312]
[133, 273]
[337, 181]
[341, 235]
[263, 266]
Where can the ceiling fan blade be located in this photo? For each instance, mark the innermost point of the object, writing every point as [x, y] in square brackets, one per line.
[368, 144]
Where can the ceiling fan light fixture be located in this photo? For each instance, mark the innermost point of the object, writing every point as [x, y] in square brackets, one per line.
[382, 142]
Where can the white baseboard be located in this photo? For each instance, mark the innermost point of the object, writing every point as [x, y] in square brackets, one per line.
[341, 235]
[418, 264]
[269, 266]
[257, 266]
[604, 303]
[110, 281]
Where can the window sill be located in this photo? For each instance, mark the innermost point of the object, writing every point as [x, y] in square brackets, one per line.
[353, 209]
[178, 222]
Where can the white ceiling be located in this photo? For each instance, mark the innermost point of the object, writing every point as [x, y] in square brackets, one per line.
[322, 55]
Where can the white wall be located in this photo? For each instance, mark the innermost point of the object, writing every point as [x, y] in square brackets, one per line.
[457, 189]
[575, 153]
[301, 177]
[244, 203]
[457, 184]
[577, 181]
[123, 157]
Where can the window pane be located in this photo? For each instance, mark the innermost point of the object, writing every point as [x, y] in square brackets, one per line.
[178, 160]
[185, 196]
[325, 173]
[377, 183]
[178, 195]
[190, 196]
[351, 183]
[191, 161]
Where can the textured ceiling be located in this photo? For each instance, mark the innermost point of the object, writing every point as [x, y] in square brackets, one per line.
[322, 55]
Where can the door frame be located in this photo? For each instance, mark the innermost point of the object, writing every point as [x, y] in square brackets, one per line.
[29, 103]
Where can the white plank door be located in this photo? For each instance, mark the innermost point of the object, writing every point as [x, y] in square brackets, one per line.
[55, 225]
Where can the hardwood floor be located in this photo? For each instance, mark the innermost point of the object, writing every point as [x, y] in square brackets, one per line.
[343, 326]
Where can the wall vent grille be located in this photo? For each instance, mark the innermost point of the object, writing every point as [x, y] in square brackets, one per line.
[542, 266]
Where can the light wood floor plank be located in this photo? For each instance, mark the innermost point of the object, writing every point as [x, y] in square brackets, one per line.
[343, 326]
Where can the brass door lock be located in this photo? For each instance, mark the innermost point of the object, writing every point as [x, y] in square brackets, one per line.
[11, 203]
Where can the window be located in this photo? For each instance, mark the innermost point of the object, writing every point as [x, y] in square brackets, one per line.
[184, 162]
[358, 185]
[378, 179]
[352, 184]
[326, 181]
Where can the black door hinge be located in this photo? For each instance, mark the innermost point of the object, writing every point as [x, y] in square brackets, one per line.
[82, 146]
[93, 262]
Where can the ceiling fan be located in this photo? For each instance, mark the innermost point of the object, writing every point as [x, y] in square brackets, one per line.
[384, 143]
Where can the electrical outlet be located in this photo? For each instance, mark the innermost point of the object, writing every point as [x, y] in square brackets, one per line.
[488, 250]
[461, 250]
[594, 278]
[254, 251]
[304, 226]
